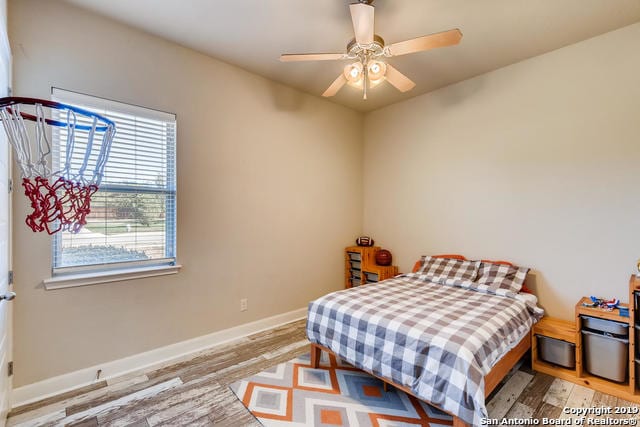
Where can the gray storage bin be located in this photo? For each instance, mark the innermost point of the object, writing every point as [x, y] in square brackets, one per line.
[356, 274]
[356, 282]
[606, 348]
[354, 256]
[556, 351]
[355, 265]
[371, 277]
[603, 325]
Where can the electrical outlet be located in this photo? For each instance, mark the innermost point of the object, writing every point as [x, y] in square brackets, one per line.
[243, 304]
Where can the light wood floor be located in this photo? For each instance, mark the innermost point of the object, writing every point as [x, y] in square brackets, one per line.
[194, 391]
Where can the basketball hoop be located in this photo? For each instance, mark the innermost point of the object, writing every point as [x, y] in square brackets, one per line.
[60, 199]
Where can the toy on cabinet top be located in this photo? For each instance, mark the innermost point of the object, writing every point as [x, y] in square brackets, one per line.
[364, 241]
[383, 257]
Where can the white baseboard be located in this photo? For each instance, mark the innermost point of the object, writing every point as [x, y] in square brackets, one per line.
[83, 377]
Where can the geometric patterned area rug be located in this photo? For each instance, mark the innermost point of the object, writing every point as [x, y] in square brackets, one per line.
[336, 394]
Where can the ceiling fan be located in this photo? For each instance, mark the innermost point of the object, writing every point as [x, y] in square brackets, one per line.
[368, 51]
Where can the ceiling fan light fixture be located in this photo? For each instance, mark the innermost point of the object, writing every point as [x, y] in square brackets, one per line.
[353, 73]
[367, 49]
[376, 72]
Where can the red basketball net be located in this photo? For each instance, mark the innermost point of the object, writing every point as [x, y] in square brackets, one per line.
[63, 205]
[60, 198]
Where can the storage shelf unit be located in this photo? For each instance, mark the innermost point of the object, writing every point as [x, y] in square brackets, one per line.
[634, 335]
[570, 332]
[360, 266]
[564, 330]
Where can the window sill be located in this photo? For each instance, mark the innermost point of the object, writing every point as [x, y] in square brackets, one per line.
[94, 278]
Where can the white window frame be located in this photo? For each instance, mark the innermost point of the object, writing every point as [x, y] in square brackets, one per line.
[65, 277]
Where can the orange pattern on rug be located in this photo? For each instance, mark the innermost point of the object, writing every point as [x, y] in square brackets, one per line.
[334, 394]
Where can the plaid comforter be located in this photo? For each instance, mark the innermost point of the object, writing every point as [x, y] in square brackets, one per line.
[437, 339]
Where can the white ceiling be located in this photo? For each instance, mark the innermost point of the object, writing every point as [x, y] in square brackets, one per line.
[253, 33]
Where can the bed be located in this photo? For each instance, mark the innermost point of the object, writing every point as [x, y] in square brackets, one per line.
[440, 334]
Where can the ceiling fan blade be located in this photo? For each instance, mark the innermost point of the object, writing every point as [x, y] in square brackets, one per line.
[291, 57]
[399, 80]
[335, 86]
[362, 18]
[432, 41]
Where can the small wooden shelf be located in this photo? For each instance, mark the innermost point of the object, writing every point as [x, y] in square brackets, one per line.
[570, 332]
[366, 264]
[553, 328]
[598, 312]
[564, 330]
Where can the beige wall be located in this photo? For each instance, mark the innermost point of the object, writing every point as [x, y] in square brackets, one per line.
[537, 163]
[269, 182]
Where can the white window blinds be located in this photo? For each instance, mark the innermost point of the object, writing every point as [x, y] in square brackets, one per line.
[133, 214]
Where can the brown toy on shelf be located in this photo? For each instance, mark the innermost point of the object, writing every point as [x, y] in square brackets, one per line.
[383, 257]
[364, 241]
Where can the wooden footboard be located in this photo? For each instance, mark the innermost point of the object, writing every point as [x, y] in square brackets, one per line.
[491, 380]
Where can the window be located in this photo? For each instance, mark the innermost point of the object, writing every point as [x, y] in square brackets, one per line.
[132, 223]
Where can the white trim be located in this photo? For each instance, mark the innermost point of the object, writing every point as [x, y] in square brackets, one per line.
[147, 360]
[114, 266]
[5, 46]
[72, 280]
[70, 97]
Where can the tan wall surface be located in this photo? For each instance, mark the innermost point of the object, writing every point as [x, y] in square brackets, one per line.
[269, 191]
[537, 163]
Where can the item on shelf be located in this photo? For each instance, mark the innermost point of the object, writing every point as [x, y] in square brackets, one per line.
[383, 257]
[364, 241]
[554, 342]
[371, 277]
[638, 267]
[603, 303]
[557, 351]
